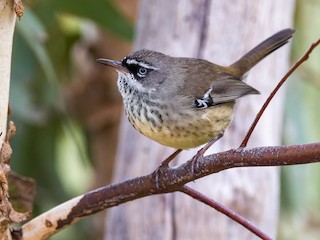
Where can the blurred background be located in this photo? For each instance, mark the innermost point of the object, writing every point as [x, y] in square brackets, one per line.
[67, 107]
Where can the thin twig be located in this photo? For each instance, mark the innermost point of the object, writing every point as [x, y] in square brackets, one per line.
[231, 214]
[265, 105]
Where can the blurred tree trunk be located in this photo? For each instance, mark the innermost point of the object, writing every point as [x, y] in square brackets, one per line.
[220, 31]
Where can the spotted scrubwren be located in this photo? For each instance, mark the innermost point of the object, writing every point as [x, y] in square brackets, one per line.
[185, 102]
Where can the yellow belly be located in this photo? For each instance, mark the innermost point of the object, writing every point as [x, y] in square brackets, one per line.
[187, 129]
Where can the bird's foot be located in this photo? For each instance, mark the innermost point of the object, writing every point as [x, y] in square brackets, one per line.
[201, 152]
[164, 165]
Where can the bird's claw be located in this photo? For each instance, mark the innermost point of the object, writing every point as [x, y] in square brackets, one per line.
[201, 152]
[164, 165]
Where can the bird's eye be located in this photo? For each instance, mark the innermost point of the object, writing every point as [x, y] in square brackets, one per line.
[142, 71]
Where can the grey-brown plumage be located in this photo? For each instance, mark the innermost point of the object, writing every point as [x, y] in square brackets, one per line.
[185, 102]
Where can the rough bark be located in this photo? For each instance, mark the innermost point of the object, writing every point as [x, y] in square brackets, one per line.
[8, 11]
[219, 31]
[7, 22]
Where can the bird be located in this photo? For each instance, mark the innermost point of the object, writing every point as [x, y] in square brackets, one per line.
[185, 102]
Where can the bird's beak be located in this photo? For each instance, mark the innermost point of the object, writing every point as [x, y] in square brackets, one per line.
[113, 63]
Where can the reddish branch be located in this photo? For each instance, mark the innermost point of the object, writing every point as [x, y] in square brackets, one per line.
[265, 105]
[233, 215]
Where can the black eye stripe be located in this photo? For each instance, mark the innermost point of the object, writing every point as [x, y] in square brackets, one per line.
[134, 68]
[138, 69]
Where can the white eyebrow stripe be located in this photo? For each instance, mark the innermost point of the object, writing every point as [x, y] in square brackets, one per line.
[142, 64]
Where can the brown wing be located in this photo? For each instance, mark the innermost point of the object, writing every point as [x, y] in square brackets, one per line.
[228, 88]
[209, 84]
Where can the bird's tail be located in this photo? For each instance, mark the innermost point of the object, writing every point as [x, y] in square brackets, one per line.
[269, 45]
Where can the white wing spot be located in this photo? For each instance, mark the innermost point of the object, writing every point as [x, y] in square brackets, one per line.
[201, 104]
[207, 94]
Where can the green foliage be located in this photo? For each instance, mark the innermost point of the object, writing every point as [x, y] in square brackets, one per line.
[102, 13]
[48, 143]
[301, 184]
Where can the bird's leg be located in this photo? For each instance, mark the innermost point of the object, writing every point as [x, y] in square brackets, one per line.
[199, 154]
[166, 162]
[164, 165]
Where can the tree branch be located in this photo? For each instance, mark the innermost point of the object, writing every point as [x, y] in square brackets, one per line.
[171, 179]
